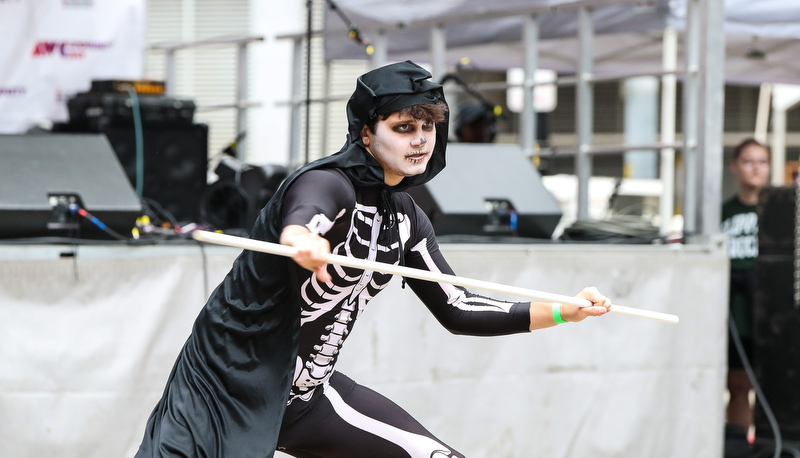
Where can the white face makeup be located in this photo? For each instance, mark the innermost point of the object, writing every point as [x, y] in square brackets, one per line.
[402, 145]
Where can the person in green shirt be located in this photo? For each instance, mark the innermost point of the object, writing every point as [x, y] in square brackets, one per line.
[750, 168]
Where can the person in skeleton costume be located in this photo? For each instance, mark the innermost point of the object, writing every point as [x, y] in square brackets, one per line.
[258, 370]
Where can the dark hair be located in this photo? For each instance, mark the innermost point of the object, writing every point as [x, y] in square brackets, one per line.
[434, 112]
[747, 143]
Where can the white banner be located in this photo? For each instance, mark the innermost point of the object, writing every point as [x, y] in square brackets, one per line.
[53, 49]
[87, 344]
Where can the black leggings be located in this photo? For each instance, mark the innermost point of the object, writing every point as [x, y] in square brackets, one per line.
[346, 420]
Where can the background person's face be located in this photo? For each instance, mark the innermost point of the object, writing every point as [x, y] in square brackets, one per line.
[402, 145]
[751, 168]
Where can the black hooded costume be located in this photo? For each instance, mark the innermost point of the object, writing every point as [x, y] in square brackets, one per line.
[230, 385]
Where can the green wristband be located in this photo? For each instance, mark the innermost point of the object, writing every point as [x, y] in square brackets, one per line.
[557, 313]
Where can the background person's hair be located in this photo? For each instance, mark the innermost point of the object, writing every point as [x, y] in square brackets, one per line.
[746, 143]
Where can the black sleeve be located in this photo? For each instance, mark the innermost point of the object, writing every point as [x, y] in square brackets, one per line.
[316, 199]
[457, 309]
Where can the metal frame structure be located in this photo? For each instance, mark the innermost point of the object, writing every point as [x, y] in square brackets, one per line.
[241, 104]
[703, 99]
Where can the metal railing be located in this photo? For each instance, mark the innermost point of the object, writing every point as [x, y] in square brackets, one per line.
[241, 104]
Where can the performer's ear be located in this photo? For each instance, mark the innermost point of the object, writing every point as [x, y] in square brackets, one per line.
[365, 133]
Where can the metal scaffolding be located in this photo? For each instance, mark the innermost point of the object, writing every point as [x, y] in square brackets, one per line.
[241, 104]
[702, 103]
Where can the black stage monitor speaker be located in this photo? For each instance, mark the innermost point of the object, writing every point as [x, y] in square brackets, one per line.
[32, 167]
[777, 314]
[175, 160]
[488, 190]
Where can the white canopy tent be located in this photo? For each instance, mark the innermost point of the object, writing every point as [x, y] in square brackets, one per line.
[762, 38]
[597, 40]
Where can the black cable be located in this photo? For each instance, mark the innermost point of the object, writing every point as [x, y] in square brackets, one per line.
[148, 202]
[467, 88]
[352, 30]
[74, 252]
[773, 423]
[85, 214]
[618, 229]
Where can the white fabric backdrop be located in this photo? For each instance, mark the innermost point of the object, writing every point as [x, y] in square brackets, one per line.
[83, 361]
[52, 49]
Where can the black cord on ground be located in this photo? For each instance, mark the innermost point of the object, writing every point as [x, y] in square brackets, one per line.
[773, 423]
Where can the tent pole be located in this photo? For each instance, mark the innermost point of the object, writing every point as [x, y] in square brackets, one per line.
[380, 50]
[438, 52]
[712, 114]
[668, 110]
[778, 147]
[584, 109]
[297, 97]
[326, 95]
[762, 113]
[690, 116]
[530, 35]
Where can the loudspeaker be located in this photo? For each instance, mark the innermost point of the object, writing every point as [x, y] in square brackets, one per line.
[175, 163]
[488, 190]
[235, 200]
[776, 220]
[34, 166]
[777, 314]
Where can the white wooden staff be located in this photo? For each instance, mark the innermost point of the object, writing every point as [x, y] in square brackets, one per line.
[284, 250]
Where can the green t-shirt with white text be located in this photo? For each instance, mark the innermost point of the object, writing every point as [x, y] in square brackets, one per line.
[740, 223]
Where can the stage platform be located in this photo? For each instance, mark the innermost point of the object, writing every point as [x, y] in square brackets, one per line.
[89, 334]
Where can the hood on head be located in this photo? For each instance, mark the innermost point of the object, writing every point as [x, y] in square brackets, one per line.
[388, 89]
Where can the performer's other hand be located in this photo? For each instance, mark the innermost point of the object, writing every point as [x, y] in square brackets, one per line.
[600, 306]
[312, 250]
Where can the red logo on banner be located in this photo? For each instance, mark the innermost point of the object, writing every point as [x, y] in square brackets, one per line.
[12, 91]
[71, 50]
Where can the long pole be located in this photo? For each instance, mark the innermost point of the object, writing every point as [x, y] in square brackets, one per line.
[283, 250]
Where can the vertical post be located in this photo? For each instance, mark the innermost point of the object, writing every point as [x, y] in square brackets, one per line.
[169, 73]
[762, 113]
[188, 34]
[778, 147]
[380, 50]
[241, 98]
[668, 109]
[584, 109]
[438, 52]
[530, 35]
[690, 116]
[307, 130]
[641, 126]
[297, 99]
[326, 107]
[712, 111]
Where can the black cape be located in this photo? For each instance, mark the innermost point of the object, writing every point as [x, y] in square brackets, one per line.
[227, 392]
